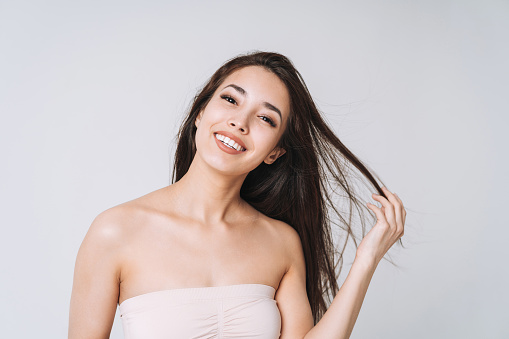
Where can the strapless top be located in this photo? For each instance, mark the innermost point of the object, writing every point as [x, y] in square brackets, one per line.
[233, 311]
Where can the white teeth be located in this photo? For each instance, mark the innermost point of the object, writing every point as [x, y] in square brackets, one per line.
[229, 142]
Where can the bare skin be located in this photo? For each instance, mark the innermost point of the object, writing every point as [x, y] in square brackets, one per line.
[172, 250]
[198, 232]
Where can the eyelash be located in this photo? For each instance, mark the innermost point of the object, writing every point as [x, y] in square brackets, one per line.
[228, 98]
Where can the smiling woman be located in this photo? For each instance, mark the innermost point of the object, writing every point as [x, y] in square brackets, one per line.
[240, 244]
[248, 107]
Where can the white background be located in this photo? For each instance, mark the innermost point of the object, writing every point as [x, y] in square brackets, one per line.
[92, 92]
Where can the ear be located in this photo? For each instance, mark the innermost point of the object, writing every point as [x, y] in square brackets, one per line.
[198, 119]
[276, 153]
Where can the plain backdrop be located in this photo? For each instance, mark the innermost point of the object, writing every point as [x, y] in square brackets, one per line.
[92, 93]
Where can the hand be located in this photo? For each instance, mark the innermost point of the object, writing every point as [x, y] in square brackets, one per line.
[387, 230]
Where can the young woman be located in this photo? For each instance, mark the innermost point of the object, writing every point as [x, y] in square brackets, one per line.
[240, 245]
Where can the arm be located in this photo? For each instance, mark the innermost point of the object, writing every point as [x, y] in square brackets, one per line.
[340, 318]
[96, 280]
[338, 321]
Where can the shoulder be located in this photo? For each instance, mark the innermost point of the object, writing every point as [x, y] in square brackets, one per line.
[113, 223]
[289, 241]
[113, 227]
[106, 235]
[110, 238]
[290, 237]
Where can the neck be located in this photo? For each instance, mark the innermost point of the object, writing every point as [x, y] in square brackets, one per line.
[207, 195]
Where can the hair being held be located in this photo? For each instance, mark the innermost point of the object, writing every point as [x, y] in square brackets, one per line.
[311, 187]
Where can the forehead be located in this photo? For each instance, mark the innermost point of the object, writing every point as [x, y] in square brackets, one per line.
[261, 85]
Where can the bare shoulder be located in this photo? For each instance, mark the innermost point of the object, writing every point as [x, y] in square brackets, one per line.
[289, 241]
[107, 236]
[120, 221]
[108, 225]
[115, 224]
[289, 235]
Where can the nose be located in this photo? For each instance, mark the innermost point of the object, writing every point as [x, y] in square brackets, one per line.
[232, 124]
[239, 124]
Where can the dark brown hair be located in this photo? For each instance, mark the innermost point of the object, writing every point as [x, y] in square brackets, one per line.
[301, 186]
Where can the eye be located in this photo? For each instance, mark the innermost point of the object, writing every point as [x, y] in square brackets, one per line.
[269, 120]
[229, 99]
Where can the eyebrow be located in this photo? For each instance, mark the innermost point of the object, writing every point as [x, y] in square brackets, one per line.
[265, 103]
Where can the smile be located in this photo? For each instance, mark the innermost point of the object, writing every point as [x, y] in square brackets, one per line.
[229, 142]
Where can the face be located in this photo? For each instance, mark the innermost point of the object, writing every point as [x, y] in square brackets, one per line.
[243, 121]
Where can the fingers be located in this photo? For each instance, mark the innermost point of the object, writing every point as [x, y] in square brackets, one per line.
[388, 207]
[378, 212]
[394, 210]
[400, 213]
[402, 207]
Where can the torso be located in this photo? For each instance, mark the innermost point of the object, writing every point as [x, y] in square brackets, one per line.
[165, 251]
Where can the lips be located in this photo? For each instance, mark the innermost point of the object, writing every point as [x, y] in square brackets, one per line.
[230, 140]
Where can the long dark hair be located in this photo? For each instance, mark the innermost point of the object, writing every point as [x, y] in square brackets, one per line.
[301, 187]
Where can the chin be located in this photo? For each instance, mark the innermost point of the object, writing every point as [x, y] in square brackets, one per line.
[220, 164]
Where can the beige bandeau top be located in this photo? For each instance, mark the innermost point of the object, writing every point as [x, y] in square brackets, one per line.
[233, 311]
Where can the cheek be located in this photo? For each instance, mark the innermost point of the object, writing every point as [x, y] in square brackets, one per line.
[267, 135]
[212, 115]
[265, 141]
[201, 134]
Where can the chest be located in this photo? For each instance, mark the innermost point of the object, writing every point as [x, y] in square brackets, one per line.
[181, 258]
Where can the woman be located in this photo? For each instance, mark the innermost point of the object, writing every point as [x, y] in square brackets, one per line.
[240, 245]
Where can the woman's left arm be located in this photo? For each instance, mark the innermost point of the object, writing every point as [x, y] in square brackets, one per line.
[340, 318]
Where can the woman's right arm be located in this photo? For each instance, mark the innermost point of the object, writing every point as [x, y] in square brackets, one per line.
[96, 283]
